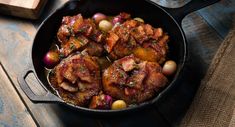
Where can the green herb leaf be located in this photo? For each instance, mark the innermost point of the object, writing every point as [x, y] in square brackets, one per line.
[154, 41]
[70, 29]
[72, 46]
[61, 56]
[82, 68]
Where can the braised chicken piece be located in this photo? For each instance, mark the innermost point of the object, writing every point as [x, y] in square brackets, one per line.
[133, 80]
[67, 27]
[77, 79]
[73, 44]
[134, 37]
[94, 49]
[76, 33]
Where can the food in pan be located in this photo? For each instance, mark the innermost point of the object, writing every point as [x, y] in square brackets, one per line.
[108, 62]
[77, 78]
[133, 80]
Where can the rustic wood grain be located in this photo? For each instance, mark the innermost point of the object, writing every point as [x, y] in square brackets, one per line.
[26, 9]
[21, 37]
[16, 37]
[17, 40]
[203, 40]
[219, 16]
[12, 111]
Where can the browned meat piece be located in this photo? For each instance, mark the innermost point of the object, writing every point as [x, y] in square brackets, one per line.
[146, 54]
[148, 30]
[117, 76]
[128, 64]
[139, 34]
[63, 33]
[157, 33]
[160, 47]
[86, 27]
[76, 32]
[94, 49]
[73, 44]
[121, 17]
[142, 33]
[137, 38]
[111, 40]
[101, 102]
[163, 41]
[122, 32]
[122, 49]
[141, 81]
[69, 23]
[77, 79]
[130, 24]
[97, 36]
[68, 86]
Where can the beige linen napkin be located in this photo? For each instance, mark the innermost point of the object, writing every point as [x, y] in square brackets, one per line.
[214, 103]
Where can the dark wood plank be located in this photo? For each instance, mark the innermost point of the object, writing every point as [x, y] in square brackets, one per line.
[12, 110]
[17, 40]
[15, 36]
[203, 40]
[220, 16]
[14, 62]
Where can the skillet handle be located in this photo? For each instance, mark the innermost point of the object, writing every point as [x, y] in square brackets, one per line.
[48, 97]
[193, 5]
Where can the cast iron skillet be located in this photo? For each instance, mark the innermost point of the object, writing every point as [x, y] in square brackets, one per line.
[168, 19]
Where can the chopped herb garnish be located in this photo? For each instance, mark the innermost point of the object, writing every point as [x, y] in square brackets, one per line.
[122, 75]
[81, 30]
[136, 66]
[81, 41]
[61, 56]
[81, 68]
[131, 84]
[154, 41]
[70, 29]
[72, 46]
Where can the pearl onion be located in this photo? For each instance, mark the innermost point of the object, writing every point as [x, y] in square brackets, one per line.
[118, 104]
[105, 25]
[169, 68]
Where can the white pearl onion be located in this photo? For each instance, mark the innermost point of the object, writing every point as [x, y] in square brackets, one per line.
[169, 68]
[118, 104]
[105, 25]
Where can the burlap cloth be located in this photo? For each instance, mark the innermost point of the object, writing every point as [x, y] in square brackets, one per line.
[214, 103]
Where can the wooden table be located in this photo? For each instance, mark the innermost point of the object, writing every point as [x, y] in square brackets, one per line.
[205, 30]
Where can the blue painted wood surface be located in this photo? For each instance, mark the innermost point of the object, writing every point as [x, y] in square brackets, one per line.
[13, 112]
